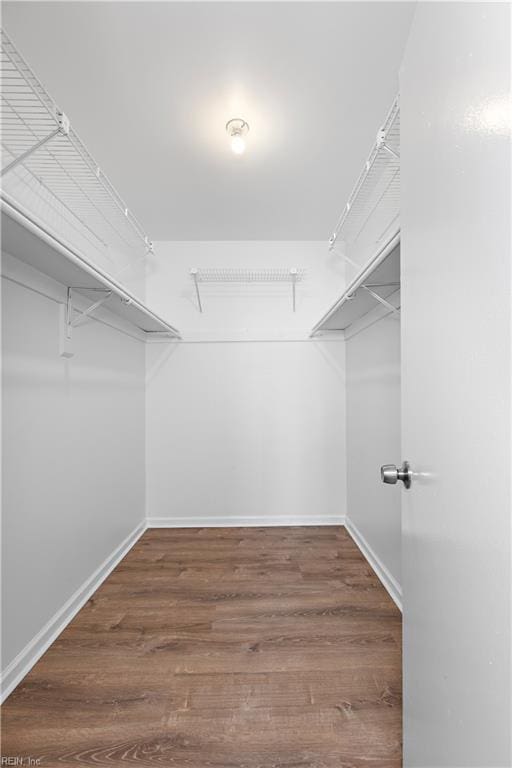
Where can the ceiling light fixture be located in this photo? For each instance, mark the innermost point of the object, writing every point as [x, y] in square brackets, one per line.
[237, 130]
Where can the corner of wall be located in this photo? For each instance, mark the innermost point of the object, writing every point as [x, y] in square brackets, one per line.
[391, 585]
[22, 664]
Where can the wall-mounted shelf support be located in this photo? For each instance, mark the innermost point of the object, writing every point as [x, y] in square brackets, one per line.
[394, 310]
[381, 144]
[194, 272]
[292, 276]
[68, 322]
[62, 130]
[293, 273]
[83, 314]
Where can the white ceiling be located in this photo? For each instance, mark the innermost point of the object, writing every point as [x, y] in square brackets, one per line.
[149, 87]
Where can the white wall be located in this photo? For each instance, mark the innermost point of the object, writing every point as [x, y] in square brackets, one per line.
[246, 432]
[73, 459]
[260, 311]
[373, 439]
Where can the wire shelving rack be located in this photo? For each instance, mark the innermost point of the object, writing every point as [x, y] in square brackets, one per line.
[247, 276]
[368, 231]
[60, 212]
[375, 198]
[46, 166]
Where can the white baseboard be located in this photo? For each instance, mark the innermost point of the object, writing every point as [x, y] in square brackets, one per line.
[388, 581]
[243, 522]
[25, 660]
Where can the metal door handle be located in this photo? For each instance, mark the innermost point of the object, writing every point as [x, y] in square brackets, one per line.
[390, 473]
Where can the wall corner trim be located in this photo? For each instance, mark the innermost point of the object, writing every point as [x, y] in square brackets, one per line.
[390, 584]
[22, 664]
[243, 522]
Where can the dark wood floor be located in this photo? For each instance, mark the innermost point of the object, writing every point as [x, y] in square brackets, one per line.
[222, 648]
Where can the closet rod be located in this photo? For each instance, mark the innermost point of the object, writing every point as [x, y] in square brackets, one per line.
[21, 217]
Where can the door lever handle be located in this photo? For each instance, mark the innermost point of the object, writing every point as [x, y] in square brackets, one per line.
[390, 473]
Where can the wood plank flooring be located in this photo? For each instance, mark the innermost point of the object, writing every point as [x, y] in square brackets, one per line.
[221, 648]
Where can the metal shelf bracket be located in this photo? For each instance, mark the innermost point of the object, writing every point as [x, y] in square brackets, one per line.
[368, 287]
[62, 130]
[381, 144]
[294, 274]
[67, 322]
[194, 273]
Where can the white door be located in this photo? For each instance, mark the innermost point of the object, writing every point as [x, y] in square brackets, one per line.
[456, 386]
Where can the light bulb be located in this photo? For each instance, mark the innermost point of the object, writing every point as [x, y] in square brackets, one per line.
[237, 144]
[237, 130]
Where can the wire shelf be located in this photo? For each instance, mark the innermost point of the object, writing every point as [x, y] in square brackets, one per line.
[24, 239]
[374, 284]
[374, 202]
[60, 177]
[247, 275]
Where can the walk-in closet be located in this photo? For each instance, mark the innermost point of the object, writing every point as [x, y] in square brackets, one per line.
[256, 384]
